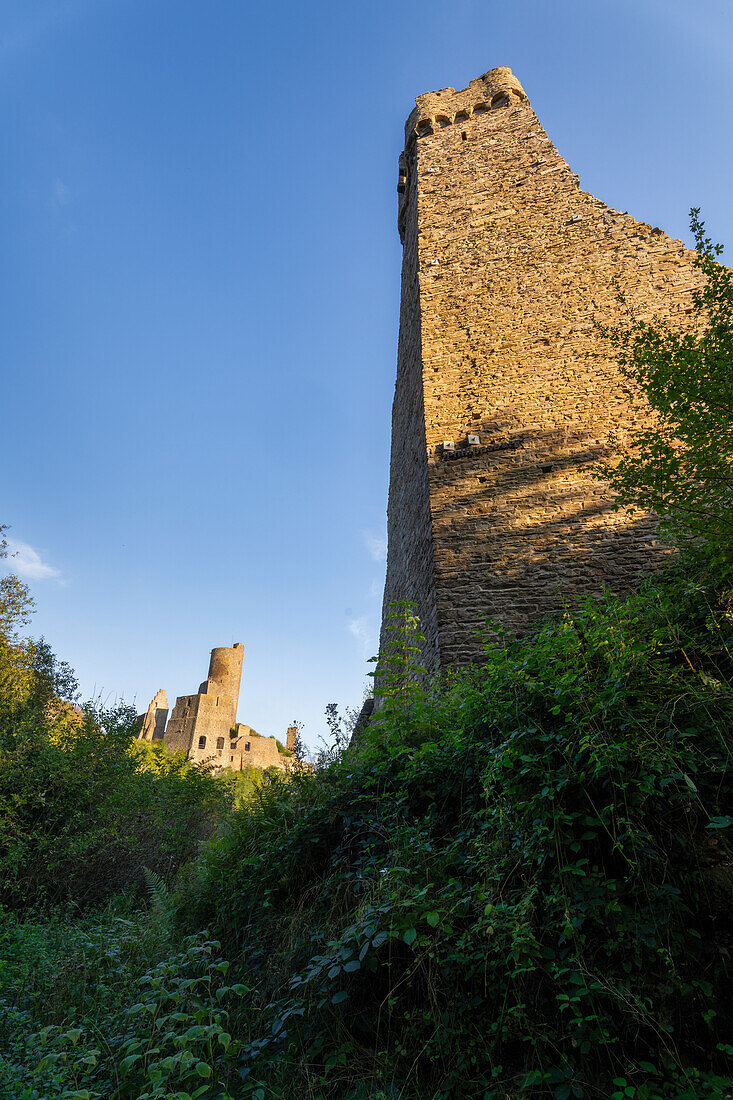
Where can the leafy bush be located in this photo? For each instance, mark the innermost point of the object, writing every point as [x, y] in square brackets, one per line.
[83, 809]
[91, 1011]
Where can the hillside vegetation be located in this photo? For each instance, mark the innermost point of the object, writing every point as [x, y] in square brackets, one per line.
[520, 883]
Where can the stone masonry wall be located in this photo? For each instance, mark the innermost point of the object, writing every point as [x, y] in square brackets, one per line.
[410, 569]
[506, 266]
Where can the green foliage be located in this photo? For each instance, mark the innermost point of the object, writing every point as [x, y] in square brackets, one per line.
[519, 885]
[16, 602]
[84, 809]
[92, 1013]
[682, 467]
[399, 676]
[241, 785]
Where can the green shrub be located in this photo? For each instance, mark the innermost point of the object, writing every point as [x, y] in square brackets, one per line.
[84, 809]
[92, 1012]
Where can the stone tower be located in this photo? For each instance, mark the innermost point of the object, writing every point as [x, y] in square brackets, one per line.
[507, 264]
[201, 725]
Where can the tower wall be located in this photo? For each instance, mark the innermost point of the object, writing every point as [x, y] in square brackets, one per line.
[507, 264]
[225, 670]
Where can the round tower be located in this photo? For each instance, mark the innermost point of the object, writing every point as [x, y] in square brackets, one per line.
[225, 670]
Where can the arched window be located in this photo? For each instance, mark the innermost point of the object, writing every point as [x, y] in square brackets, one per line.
[220, 744]
[202, 742]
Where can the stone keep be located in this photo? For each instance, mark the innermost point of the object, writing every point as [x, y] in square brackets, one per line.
[204, 726]
[202, 722]
[507, 264]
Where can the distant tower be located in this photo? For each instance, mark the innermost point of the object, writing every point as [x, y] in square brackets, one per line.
[201, 725]
[506, 266]
[154, 721]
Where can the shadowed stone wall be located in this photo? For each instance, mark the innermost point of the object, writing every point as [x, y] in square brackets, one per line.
[506, 266]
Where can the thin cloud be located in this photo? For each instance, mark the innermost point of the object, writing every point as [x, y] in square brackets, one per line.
[361, 629]
[28, 563]
[376, 589]
[376, 545]
[62, 193]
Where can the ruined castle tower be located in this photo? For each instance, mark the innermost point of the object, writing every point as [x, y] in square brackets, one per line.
[498, 406]
[202, 724]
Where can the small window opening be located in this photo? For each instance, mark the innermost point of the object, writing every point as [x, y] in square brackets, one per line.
[463, 135]
[220, 744]
[546, 469]
[202, 742]
[246, 746]
[231, 757]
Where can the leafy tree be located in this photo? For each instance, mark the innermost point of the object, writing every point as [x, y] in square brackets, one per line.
[16, 602]
[36, 689]
[681, 467]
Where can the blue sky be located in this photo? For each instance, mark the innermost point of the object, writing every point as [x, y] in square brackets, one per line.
[201, 294]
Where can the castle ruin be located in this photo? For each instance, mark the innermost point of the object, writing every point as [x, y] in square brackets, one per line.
[155, 718]
[204, 726]
[501, 397]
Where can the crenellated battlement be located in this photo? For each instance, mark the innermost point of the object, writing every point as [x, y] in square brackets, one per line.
[435, 110]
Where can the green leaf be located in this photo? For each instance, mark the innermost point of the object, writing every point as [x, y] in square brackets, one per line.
[203, 1069]
[433, 919]
[723, 822]
[410, 936]
[339, 997]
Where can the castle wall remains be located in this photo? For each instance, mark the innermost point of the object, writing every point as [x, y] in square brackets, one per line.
[156, 716]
